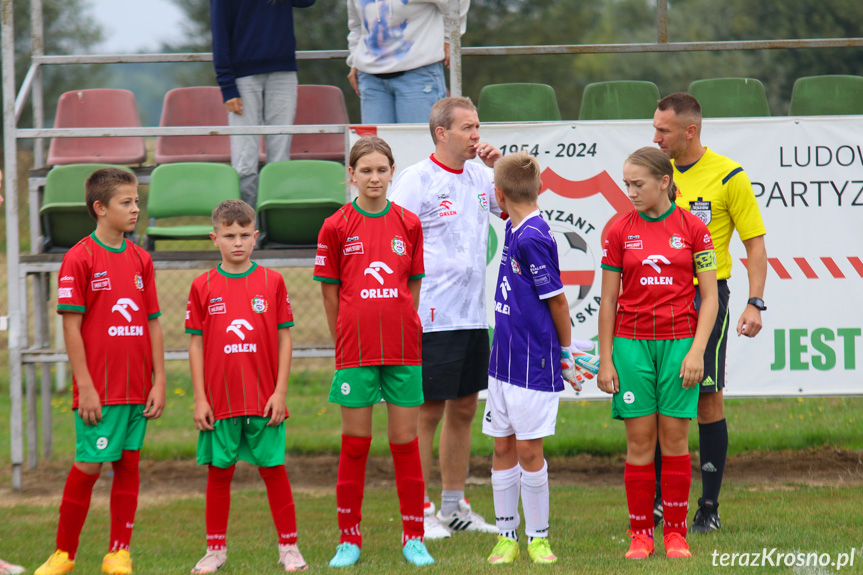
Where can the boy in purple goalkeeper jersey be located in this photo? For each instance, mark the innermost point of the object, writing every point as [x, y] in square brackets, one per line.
[524, 375]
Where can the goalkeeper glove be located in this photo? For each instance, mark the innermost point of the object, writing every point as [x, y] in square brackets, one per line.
[570, 371]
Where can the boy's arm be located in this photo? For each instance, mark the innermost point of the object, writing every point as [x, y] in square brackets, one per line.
[330, 293]
[89, 405]
[414, 286]
[156, 400]
[203, 413]
[276, 407]
[559, 308]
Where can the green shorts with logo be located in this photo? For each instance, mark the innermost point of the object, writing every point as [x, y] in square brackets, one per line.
[400, 385]
[122, 429]
[649, 375]
[246, 438]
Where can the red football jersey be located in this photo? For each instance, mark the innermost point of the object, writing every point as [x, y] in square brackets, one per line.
[239, 316]
[658, 259]
[373, 256]
[115, 289]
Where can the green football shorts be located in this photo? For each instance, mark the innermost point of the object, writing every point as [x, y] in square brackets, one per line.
[246, 438]
[400, 385]
[122, 429]
[649, 374]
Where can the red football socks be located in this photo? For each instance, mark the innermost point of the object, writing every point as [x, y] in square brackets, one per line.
[640, 481]
[281, 502]
[676, 479]
[349, 487]
[124, 499]
[73, 509]
[218, 505]
[410, 487]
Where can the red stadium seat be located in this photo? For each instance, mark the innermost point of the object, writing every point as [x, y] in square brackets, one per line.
[319, 105]
[97, 109]
[197, 106]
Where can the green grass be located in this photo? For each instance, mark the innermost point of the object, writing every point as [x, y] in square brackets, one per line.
[583, 426]
[588, 533]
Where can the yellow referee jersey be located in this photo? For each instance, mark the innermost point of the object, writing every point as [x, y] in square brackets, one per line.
[718, 191]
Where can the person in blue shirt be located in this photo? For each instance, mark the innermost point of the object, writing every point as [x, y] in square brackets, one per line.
[532, 324]
[254, 53]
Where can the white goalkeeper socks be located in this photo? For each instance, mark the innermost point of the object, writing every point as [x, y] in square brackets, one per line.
[534, 501]
[506, 485]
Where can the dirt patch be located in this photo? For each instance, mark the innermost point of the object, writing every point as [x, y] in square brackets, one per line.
[317, 474]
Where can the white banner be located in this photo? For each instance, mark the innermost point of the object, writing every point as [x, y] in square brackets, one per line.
[807, 174]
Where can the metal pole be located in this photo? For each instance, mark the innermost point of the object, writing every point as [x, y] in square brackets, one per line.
[37, 34]
[10, 157]
[454, 26]
[661, 21]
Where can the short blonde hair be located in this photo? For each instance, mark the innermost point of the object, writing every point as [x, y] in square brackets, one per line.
[443, 113]
[232, 212]
[519, 177]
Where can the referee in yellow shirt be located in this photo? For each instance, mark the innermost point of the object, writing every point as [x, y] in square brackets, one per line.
[718, 191]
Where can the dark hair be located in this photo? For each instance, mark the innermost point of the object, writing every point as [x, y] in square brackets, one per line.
[232, 212]
[443, 113]
[369, 145]
[682, 103]
[102, 185]
[658, 164]
[518, 177]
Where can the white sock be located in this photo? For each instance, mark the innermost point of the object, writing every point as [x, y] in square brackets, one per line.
[534, 501]
[506, 484]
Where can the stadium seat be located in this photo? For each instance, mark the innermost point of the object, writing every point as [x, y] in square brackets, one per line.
[730, 97]
[518, 103]
[619, 100]
[837, 95]
[64, 215]
[97, 109]
[187, 189]
[319, 105]
[294, 199]
[195, 106]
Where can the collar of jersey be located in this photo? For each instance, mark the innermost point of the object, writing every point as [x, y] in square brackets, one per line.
[242, 275]
[109, 248]
[370, 215]
[530, 215]
[447, 168]
[660, 218]
[682, 169]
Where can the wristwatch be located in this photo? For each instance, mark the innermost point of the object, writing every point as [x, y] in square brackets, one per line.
[757, 302]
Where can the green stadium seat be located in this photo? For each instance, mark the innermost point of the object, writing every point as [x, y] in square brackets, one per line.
[187, 189]
[730, 97]
[64, 215]
[619, 100]
[838, 95]
[294, 199]
[518, 103]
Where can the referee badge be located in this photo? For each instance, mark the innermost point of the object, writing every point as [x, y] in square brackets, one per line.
[702, 210]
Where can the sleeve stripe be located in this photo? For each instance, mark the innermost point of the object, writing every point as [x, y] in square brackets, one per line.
[551, 294]
[74, 308]
[286, 324]
[154, 315]
[611, 268]
[326, 280]
[194, 331]
[733, 173]
[418, 276]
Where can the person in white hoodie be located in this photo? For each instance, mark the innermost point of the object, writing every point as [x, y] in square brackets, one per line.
[398, 49]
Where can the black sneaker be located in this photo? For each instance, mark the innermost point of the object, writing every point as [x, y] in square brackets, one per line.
[657, 511]
[706, 518]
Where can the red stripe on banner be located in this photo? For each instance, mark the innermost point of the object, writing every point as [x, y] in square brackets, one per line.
[858, 265]
[365, 130]
[806, 268]
[779, 268]
[833, 268]
[581, 278]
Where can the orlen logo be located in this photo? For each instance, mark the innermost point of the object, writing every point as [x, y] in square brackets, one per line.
[374, 270]
[237, 327]
[446, 209]
[505, 288]
[123, 304]
[652, 261]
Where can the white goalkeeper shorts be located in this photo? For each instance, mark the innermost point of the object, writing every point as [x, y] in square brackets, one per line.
[513, 410]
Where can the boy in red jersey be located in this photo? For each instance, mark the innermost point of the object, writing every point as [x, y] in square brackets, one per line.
[107, 297]
[370, 265]
[239, 317]
[652, 344]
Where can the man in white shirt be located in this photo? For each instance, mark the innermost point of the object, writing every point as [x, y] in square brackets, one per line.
[453, 198]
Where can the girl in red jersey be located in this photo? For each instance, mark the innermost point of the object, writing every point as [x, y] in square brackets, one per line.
[370, 264]
[652, 342]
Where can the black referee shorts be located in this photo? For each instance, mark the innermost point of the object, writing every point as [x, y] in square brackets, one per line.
[455, 363]
[714, 354]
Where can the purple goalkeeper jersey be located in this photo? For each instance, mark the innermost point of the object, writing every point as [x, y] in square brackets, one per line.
[525, 350]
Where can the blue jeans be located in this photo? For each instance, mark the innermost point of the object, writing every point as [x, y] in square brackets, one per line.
[406, 99]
